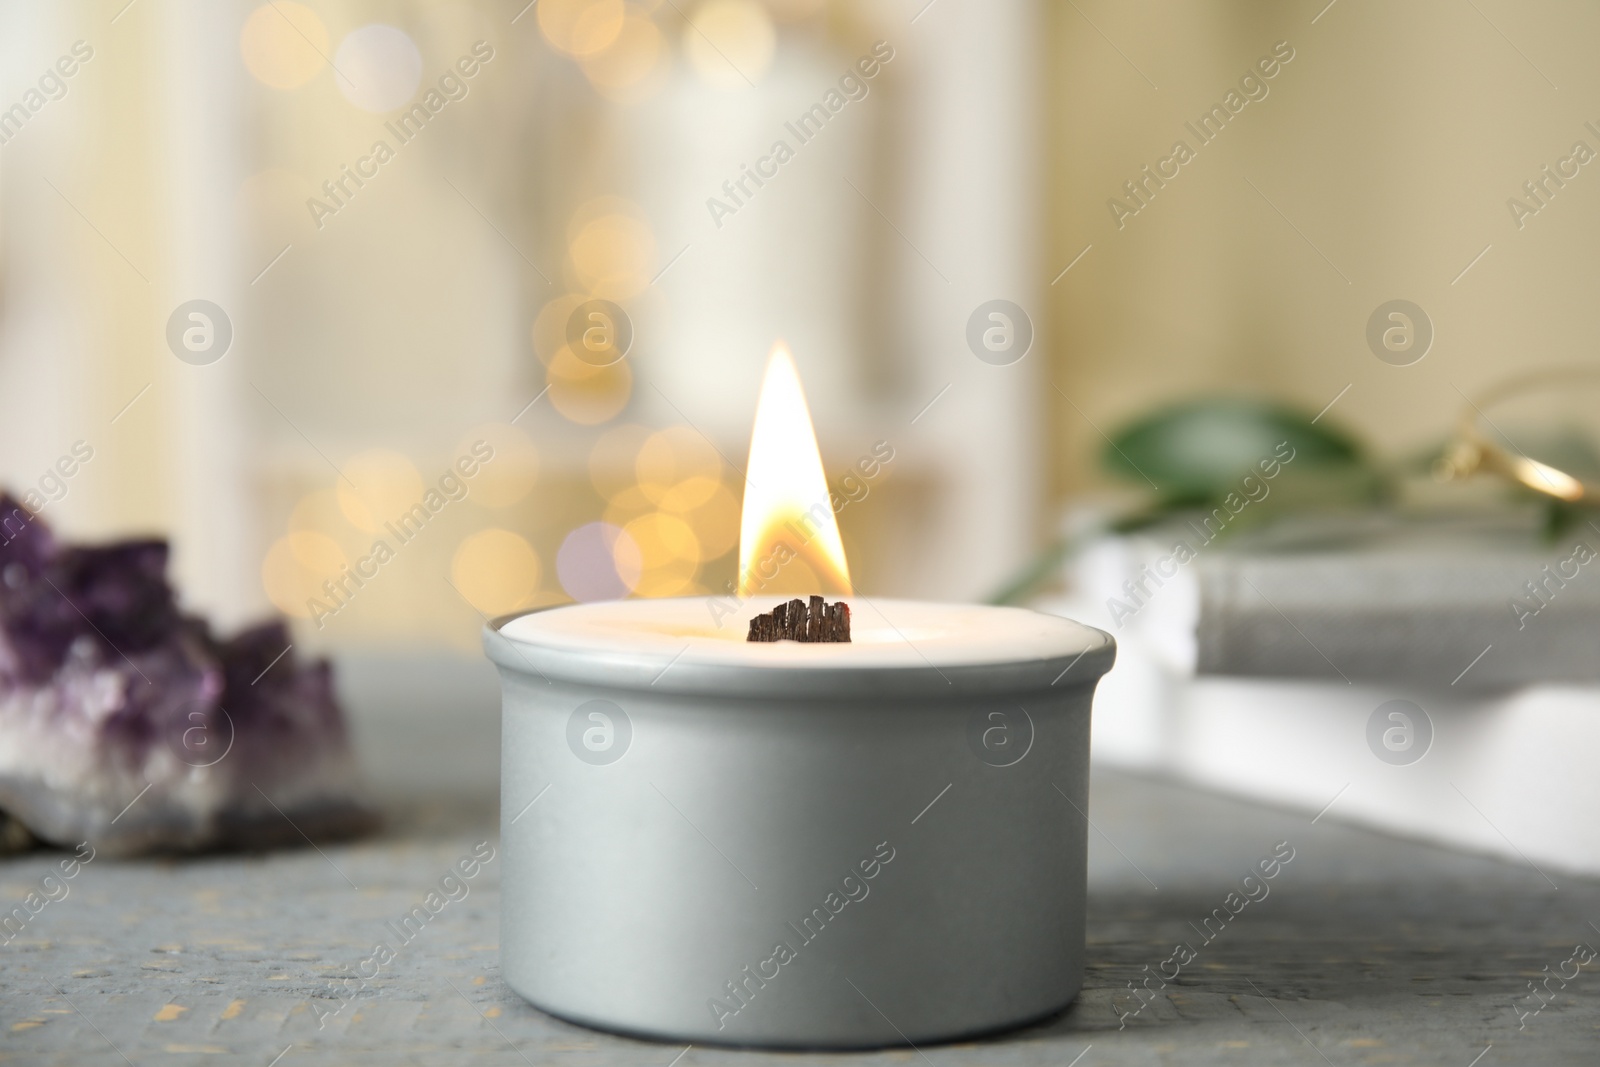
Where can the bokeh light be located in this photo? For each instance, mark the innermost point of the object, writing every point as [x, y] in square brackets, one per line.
[586, 394]
[633, 66]
[550, 325]
[377, 67]
[317, 552]
[511, 475]
[666, 486]
[688, 494]
[294, 569]
[626, 506]
[580, 27]
[669, 554]
[496, 570]
[678, 462]
[318, 512]
[730, 43]
[378, 485]
[715, 521]
[283, 44]
[612, 459]
[598, 561]
[613, 254]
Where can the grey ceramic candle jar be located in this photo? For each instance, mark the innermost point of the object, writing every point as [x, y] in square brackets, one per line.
[797, 846]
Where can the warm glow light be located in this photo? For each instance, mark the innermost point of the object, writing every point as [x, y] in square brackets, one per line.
[515, 469]
[496, 570]
[586, 394]
[283, 44]
[622, 70]
[678, 464]
[715, 522]
[377, 485]
[669, 554]
[613, 256]
[730, 43]
[788, 537]
[581, 27]
[1547, 479]
[295, 568]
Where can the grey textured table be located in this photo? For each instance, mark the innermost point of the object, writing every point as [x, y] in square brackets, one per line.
[1367, 950]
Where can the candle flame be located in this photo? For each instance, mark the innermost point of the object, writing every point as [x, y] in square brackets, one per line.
[788, 538]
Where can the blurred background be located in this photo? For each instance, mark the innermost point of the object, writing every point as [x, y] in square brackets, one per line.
[388, 307]
[383, 324]
[304, 286]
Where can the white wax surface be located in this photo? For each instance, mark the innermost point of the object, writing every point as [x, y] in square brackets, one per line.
[884, 633]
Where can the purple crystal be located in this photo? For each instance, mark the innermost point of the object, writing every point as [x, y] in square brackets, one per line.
[126, 723]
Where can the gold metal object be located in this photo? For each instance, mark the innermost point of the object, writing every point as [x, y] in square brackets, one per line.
[1473, 450]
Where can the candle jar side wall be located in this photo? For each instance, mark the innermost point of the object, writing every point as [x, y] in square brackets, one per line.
[793, 871]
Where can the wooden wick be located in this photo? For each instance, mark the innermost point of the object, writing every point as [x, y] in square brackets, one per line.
[820, 622]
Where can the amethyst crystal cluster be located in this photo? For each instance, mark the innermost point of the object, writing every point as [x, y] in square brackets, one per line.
[125, 723]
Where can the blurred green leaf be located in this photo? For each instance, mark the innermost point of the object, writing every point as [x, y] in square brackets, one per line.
[1561, 519]
[1196, 453]
[1197, 450]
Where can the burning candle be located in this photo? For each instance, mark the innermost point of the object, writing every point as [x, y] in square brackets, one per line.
[797, 844]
